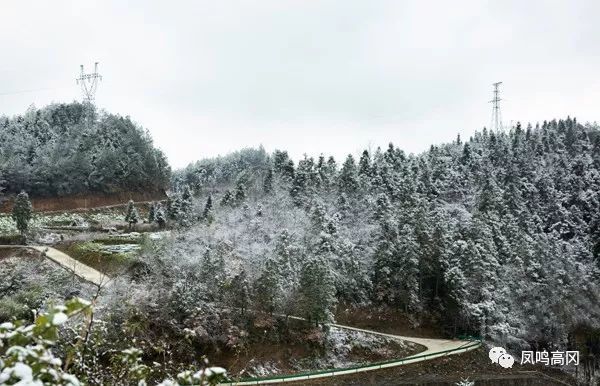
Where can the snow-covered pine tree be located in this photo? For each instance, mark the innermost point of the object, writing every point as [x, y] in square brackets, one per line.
[407, 272]
[280, 160]
[186, 200]
[455, 288]
[383, 207]
[348, 178]
[268, 182]
[161, 218]
[343, 205]
[385, 271]
[301, 182]
[331, 169]
[364, 164]
[131, 215]
[240, 191]
[267, 288]
[2, 186]
[227, 199]
[174, 211]
[321, 169]
[212, 269]
[286, 257]
[207, 212]
[152, 212]
[316, 291]
[365, 171]
[240, 291]
[283, 165]
[21, 212]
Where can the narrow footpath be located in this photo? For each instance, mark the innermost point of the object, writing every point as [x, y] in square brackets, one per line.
[83, 271]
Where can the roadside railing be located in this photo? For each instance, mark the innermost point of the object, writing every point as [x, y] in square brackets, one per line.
[469, 345]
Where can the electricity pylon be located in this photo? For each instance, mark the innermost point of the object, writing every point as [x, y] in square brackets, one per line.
[89, 84]
[496, 114]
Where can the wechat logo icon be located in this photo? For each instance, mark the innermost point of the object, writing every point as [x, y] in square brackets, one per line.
[500, 356]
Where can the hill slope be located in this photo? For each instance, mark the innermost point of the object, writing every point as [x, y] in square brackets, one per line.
[497, 236]
[66, 149]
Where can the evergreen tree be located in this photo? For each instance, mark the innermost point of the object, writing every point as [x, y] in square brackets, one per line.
[325, 171]
[280, 161]
[286, 256]
[383, 207]
[316, 291]
[267, 288]
[385, 262]
[364, 165]
[240, 191]
[240, 291]
[321, 169]
[331, 165]
[595, 236]
[408, 250]
[207, 213]
[132, 216]
[343, 205]
[397, 265]
[268, 182]
[283, 165]
[21, 212]
[349, 176]
[152, 213]
[212, 270]
[227, 198]
[365, 172]
[174, 207]
[186, 200]
[319, 218]
[304, 181]
[285, 252]
[455, 285]
[161, 219]
[2, 186]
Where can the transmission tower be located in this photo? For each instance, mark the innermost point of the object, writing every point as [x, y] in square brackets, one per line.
[496, 114]
[89, 84]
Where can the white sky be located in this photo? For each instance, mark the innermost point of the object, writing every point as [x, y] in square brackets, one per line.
[209, 77]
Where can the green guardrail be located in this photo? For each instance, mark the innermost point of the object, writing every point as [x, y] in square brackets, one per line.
[474, 342]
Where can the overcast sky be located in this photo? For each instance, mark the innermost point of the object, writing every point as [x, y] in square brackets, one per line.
[209, 77]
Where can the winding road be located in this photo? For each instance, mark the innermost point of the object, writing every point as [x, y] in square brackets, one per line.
[434, 348]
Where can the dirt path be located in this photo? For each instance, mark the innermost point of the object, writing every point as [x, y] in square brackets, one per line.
[94, 208]
[83, 271]
[88, 209]
[434, 348]
[432, 345]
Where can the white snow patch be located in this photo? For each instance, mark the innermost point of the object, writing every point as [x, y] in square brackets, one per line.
[59, 318]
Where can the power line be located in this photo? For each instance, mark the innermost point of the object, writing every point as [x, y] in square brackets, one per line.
[496, 114]
[32, 90]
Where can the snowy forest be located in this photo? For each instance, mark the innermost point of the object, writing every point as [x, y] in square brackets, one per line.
[66, 149]
[496, 236]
